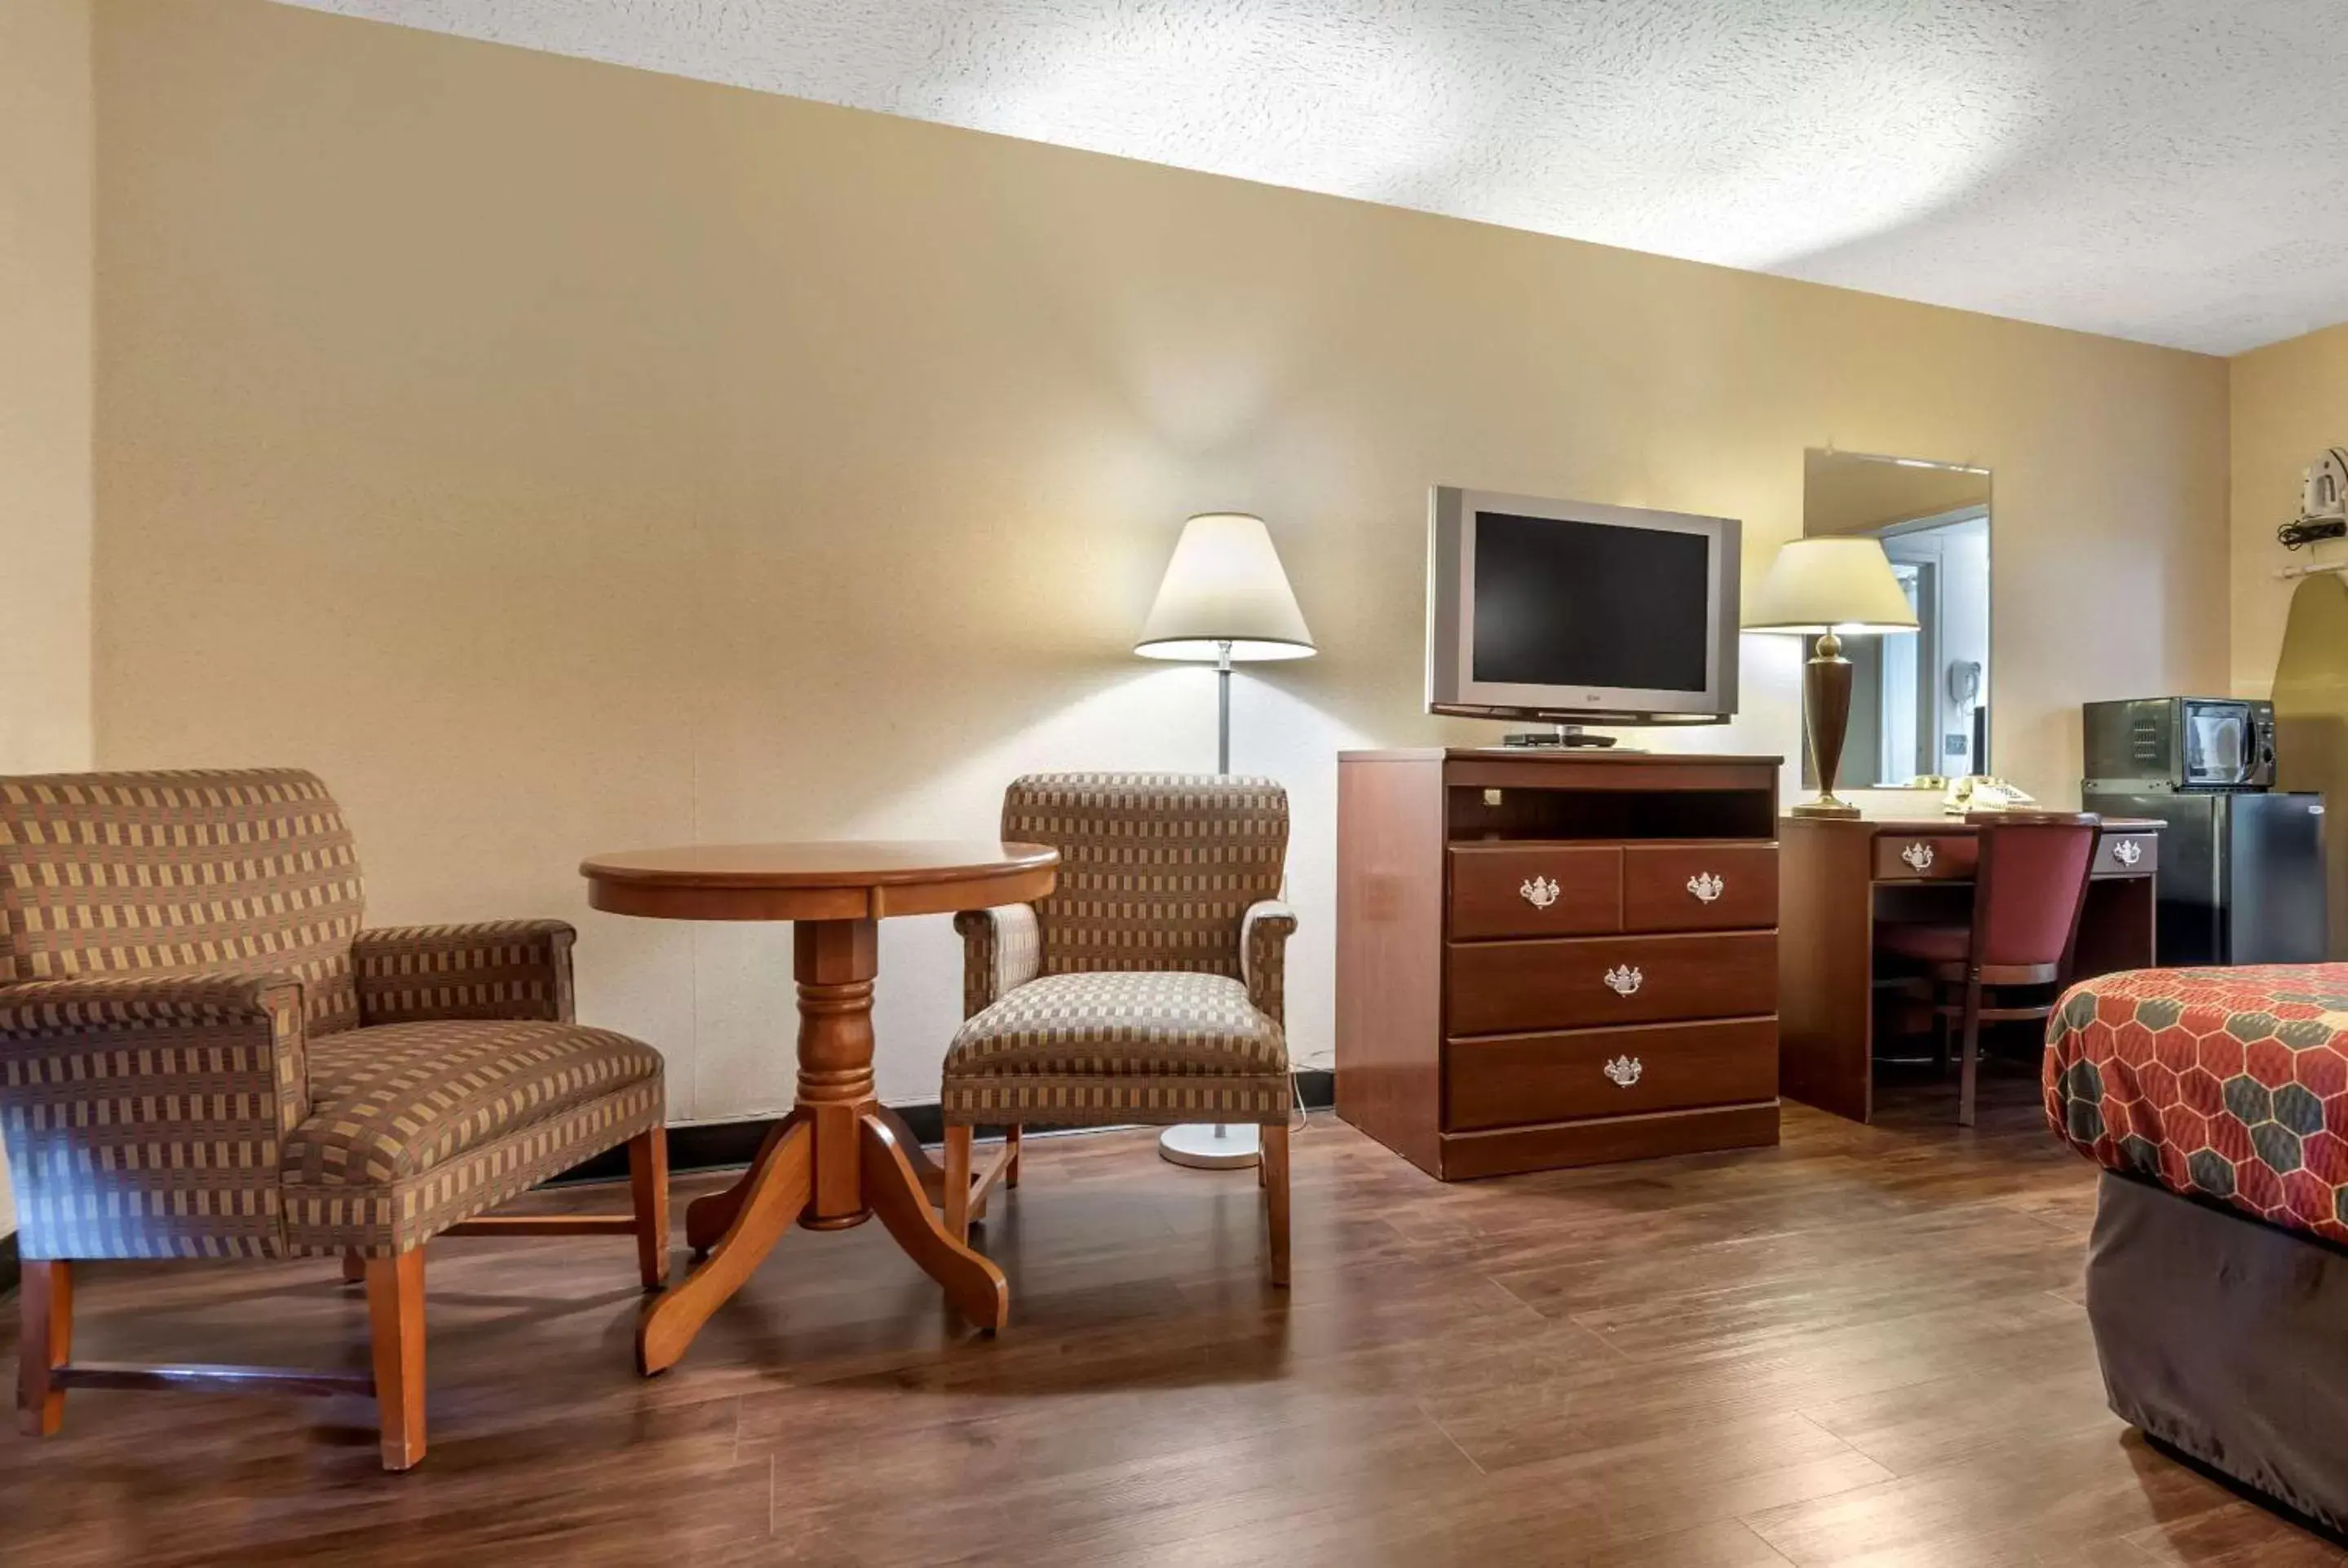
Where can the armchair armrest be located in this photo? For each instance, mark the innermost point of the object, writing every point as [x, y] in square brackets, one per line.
[1265, 931]
[500, 969]
[1001, 948]
[143, 1115]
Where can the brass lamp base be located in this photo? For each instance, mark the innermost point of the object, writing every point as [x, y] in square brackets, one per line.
[1826, 702]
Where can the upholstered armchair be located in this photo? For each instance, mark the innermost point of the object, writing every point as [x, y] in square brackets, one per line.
[204, 1055]
[1146, 988]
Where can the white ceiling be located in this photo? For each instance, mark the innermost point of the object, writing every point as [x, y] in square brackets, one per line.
[2171, 170]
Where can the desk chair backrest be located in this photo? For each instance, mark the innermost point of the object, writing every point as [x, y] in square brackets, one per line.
[1156, 869]
[2028, 890]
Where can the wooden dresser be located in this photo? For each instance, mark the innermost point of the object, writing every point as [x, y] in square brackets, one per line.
[1552, 958]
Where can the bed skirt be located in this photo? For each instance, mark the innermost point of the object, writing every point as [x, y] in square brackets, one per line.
[2226, 1338]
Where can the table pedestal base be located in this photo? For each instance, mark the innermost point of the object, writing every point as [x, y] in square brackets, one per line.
[839, 1158]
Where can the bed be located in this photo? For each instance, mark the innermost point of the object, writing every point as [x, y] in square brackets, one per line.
[2215, 1100]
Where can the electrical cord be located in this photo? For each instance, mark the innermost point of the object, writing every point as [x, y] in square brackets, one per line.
[2301, 532]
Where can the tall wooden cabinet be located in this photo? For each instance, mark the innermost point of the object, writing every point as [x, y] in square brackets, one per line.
[1552, 958]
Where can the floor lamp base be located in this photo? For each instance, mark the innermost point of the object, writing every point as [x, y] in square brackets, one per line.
[1226, 1146]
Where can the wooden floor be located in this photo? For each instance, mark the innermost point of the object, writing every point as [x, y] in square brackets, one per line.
[1864, 1347]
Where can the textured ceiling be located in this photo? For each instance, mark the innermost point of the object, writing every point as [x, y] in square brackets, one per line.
[2171, 170]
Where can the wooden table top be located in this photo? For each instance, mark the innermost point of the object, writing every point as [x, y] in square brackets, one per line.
[1959, 824]
[840, 879]
[838, 863]
[1912, 822]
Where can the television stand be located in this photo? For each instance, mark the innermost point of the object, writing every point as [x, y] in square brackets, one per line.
[1563, 735]
[1555, 957]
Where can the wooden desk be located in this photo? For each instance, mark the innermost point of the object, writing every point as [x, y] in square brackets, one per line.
[1838, 875]
[840, 1157]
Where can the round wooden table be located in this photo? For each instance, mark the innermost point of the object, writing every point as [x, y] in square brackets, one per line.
[840, 1157]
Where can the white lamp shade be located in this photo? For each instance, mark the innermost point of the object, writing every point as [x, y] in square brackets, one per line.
[1224, 585]
[1842, 584]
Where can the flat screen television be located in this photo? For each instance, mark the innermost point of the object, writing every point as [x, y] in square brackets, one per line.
[1575, 612]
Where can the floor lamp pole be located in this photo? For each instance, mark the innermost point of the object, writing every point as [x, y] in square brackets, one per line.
[1223, 1147]
[1223, 706]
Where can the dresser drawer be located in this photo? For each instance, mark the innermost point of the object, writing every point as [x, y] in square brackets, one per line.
[1507, 1079]
[2127, 854]
[1925, 857]
[1699, 886]
[1535, 890]
[1497, 988]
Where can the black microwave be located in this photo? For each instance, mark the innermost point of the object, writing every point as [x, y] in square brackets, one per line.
[2155, 743]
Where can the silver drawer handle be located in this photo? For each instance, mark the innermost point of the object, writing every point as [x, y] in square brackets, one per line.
[1539, 891]
[1706, 887]
[1918, 855]
[1623, 979]
[2127, 852]
[1624, 1070]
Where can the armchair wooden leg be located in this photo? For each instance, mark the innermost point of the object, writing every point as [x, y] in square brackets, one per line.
[1274, 1164]
[45, 1312]
[1011, 1171]
[648, 1182]
[957, 1187]
[396, 1313]
[354, 1267]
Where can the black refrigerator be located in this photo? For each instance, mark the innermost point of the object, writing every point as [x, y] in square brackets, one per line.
[2241, 873]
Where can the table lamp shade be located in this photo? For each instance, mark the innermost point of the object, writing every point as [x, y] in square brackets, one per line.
[1830, 584]
[1224, 586]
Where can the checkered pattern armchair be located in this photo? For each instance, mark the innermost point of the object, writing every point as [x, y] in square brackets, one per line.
[1147, 987]
[204, 1054]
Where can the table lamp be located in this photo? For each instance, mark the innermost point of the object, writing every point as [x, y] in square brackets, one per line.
[1224, 598]
[1830, 588]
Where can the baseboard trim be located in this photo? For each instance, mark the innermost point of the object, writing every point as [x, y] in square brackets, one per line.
[718, 1145]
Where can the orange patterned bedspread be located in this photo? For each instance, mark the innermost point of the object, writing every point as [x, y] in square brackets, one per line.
[2230, 1084]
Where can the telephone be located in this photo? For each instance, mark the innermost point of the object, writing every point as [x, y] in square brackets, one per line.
[1979, 792]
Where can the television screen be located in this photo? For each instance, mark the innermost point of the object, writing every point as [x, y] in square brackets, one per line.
[1564, 603]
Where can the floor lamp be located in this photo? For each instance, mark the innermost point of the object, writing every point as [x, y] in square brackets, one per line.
[1224, 601]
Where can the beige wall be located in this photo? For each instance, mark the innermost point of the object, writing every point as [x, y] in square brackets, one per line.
[562, 459]
[2290, 401]
[47, 140]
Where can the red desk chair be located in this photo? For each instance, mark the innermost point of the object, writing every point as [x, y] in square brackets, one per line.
[2028, 888]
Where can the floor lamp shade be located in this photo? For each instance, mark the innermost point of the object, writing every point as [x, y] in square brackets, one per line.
[1829, 587]
[1224, 596]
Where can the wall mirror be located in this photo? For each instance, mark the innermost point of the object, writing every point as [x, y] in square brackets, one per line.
[1919, 704]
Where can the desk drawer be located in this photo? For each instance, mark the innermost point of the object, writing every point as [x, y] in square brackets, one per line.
[1497, 988]
[1535, 890]
[1925, 857]
[1699, 886]
[2127, 854]
[1508, 1080]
